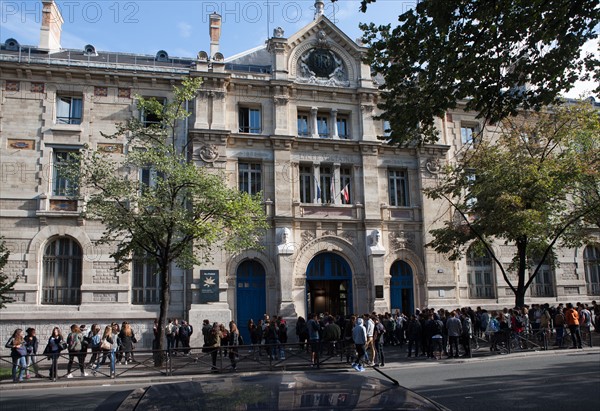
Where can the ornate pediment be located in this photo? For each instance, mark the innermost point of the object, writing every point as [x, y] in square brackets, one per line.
[322, 66]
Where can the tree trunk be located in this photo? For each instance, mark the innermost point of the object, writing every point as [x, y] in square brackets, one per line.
[521, 272]
[164, 310]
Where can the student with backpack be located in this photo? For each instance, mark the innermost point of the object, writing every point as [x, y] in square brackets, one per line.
[74, 345]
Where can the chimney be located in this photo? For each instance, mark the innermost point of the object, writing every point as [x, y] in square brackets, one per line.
[319, 9]
[215, 33]
[52, 22]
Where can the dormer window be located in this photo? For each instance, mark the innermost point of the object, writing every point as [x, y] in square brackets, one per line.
[12, 45]
[89, 50]
[162, 56]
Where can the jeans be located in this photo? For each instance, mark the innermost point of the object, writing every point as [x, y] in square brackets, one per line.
[379, 355]
[453, 352]
[415, 342]
[575, 335]
[20, 365]
[32, 362]
[107, 354]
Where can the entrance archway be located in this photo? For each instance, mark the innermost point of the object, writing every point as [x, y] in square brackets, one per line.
[251, 295]
[329, 285]
[401, 287]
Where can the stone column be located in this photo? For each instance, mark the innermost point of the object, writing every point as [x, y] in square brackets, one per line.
[335, 198]
[334, 126]
[313, 121]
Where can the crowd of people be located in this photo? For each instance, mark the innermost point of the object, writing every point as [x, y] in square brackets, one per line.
[428, 333]
[113, 344]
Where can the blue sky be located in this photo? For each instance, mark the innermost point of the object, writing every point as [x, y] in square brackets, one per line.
[181, 26]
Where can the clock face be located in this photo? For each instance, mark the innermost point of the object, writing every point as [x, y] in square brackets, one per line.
[321, 62]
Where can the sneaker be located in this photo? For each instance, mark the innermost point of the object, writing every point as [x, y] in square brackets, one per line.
[84, 374]
[70, 375]
[125, 362]
[112, 375]
[94, 372]
[355, 366]
[361, 368]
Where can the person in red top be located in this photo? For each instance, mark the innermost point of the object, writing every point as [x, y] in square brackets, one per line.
[572, 320]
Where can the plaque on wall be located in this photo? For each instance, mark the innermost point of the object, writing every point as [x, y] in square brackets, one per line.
[209, 286]
[379, 291]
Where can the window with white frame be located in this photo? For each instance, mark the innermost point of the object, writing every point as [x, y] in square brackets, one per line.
[480, 274]
[145, 284]
[323, 126]
[250, 120]
[68, 110]
[62, 265]
[467, 134]
[398, 188]
[303, 125]
[342, 126]
[327, 185]
[62, 183]
[591, 264]
[306, 183]
[250, 177]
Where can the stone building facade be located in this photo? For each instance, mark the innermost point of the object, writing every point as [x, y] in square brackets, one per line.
[292, 119]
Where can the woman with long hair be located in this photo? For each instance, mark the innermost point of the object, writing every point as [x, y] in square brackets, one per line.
[74, 343]
[127, 339]
[234, 341]
[56, 344]
[18, 353]
[31, 342]
[107, 346]
[95, 337]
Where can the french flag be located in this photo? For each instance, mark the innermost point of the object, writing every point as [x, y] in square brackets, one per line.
[346, 194]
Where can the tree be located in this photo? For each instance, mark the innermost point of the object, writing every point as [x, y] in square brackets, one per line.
[6, 286]
[178, 212]
[495, 57]
[523, 188]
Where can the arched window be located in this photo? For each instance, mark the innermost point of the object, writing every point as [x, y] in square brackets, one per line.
[62, 272]
[591, 263]
[480, 274]
[145, 284]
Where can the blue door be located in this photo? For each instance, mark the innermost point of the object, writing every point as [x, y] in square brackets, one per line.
[251, 295]
[329, 285]
[401, 287]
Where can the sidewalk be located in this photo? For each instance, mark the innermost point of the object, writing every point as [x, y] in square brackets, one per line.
[197, 366]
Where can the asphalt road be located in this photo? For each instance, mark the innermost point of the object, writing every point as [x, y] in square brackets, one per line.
[537, 382]
[547, 381]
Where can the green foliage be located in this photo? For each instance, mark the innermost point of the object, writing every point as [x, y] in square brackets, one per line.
[481, 53]
[531, 187]
[6, 286]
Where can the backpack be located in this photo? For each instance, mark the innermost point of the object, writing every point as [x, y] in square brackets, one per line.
[70, 341]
